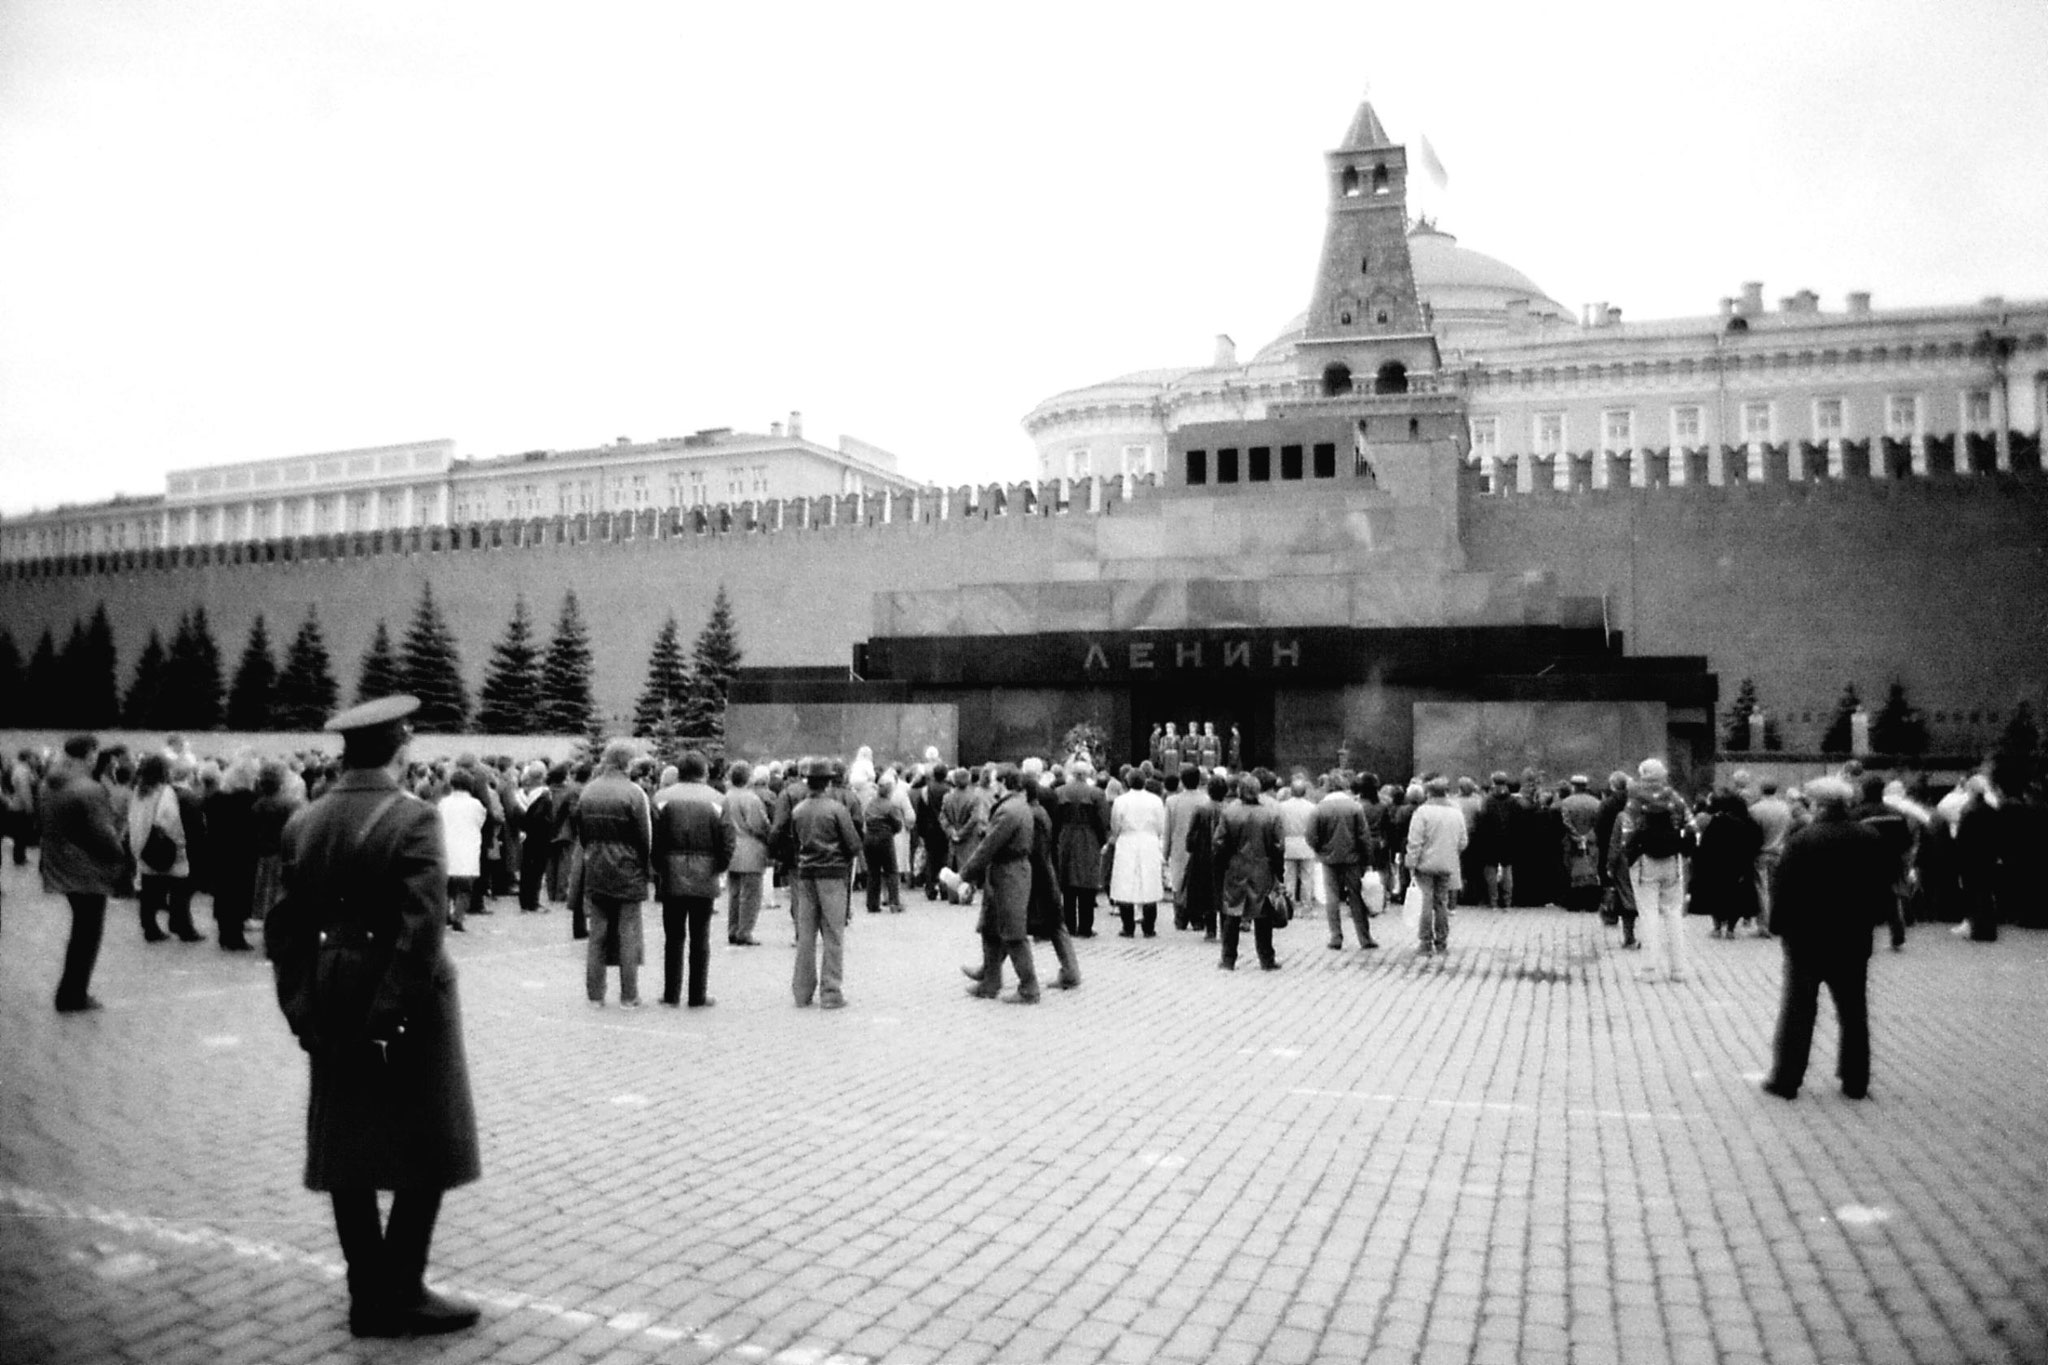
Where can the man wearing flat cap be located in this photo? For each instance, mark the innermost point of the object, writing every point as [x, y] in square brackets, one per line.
[369, 990]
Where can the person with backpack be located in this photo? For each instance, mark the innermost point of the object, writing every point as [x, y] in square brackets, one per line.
[1656, 834]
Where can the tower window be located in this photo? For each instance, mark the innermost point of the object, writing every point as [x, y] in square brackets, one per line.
[1379, 179]
[1336, 380]
[1344, 319]
[1350, 182]
[1392, 376]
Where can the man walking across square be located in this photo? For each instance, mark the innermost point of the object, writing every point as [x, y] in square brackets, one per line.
[1656, 833]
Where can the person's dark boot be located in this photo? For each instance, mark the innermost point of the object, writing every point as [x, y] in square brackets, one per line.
[1129, 918]
[1151, 922]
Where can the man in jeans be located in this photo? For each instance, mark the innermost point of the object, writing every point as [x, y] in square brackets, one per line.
[826, 845]
[82, 861]
[1436, 836]
[617, 838]
[1656, 831]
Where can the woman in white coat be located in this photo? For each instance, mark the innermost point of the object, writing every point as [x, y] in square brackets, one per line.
[1137, 839]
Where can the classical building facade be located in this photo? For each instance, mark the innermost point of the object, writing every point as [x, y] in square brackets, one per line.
[425, 484]
[1552, 397]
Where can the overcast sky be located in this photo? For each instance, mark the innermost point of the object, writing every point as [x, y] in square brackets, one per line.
[231, 231]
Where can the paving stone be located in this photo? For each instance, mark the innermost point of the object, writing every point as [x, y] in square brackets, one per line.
[1575, 1165]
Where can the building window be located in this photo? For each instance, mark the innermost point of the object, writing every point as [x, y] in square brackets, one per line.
[699, 495]
[1618, 431]
[1827, 419]
[1290, 462]
[1080, 463]
[736, 482]
[1902, 416]
[1198, 466]
[1259, 464]
[1226, 465]
[1549, 433]
[1137, 461]
[1685, 426]
[1486, 437]
[1756, 422]
[760, 478]
[1977, 410]
[1325, 453]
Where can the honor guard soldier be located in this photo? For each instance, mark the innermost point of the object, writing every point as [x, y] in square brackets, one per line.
[369, 991]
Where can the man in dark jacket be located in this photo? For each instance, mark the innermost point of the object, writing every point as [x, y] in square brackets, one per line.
[1493, 838]
[692, 848]
[615, 838]
[83, 861]
[1833, 886]
[1339, 835]
[1001, 863]
[1080, 824]
[1249, 856]
[369, 990]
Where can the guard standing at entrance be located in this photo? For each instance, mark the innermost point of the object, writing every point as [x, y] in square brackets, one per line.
[369, 990]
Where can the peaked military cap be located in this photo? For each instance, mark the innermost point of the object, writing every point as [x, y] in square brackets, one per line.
[372, 715]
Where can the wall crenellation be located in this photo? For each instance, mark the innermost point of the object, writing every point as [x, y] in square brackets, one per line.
[932, 506]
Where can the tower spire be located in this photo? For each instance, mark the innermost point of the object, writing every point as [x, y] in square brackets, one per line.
[1365, 322]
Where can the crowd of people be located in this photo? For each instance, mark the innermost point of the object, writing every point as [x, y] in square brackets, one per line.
[1208, 844]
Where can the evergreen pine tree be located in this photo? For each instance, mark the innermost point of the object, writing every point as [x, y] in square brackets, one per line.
[71, 664]
[714, 662]
[432, 670]
[252, 698]
[142, 708]
[306, 693]
[42, 685]
[2016, 762]
[380, 675]
[10, 679]
[98, 674]
[511, 692]
[1898, 729]
[1839, 734]
[668, 681]
[1739, 713]
[565, 704]
[191, 696]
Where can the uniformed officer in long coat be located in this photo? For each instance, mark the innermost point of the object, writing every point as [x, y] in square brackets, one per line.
[369, 989]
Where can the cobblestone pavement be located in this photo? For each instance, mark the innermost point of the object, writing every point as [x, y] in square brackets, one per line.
[1521, 1154]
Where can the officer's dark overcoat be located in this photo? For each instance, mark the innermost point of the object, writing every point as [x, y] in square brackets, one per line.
[405, 1122]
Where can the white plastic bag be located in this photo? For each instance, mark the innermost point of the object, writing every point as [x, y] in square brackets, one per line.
[1374, 888]
[1411, 905]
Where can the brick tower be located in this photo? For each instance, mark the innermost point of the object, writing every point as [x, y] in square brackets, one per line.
[1366, 332]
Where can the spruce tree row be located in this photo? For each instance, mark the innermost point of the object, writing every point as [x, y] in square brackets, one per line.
[527, 689]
